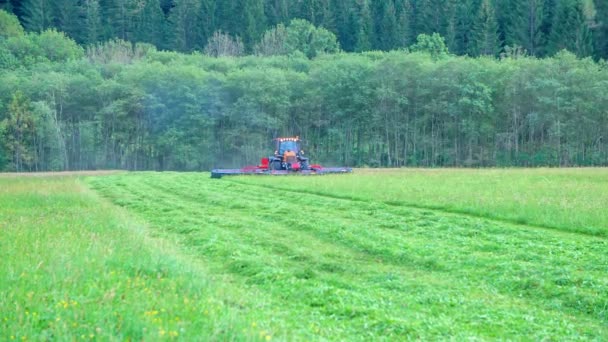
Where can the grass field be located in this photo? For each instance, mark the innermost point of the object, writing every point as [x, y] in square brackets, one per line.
[377, 255]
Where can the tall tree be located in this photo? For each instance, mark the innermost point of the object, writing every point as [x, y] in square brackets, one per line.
[66, 18]
[184, 25]
[37, 14]
[277, 11]
[365, 27]
[118, 18]
[531, 35]
[19, 132]
[148, 22]
[460, 38]
[92, 21]
[549, 14]
[387, 30]
[344, 23]
[404, 23]
[601, 31]
[254, 21]
[208, 20]
[570, 30]
[485, 31]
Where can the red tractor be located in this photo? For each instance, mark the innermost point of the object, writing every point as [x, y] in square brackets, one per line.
[288, 158]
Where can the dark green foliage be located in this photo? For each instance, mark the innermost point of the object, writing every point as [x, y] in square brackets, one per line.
[184, 25]
[570, 30]
[37, 14]
[541, 27]
[149, 22]
[485, 31]
[92, 21]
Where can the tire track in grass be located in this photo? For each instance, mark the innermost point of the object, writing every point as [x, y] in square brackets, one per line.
[399, 270]
[582, 294]
[435, 208]
[431, 264]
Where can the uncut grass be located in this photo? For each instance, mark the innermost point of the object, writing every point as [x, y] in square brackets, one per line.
[343, 269]
[75, 267]
[566, 199]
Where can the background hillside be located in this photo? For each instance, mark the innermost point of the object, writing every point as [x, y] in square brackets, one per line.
[472, 27]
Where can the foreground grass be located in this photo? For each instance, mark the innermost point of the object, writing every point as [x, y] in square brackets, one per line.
[315, 264]
[567, 199]
[74, 267]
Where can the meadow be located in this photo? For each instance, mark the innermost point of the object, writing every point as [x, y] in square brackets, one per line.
[376, 255]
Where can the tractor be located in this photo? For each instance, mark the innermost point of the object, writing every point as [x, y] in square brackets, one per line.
[288, 158]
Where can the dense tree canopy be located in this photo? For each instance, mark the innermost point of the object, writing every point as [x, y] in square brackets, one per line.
[473, 27]
[123, 105]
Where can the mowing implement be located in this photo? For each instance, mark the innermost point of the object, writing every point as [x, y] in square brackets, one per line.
[288, 159]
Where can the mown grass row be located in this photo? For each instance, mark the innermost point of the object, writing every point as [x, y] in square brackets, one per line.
[322, 266]
[566, 199]
[74, 267]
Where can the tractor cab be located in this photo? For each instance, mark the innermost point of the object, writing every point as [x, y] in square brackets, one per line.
[288, 155]
[288, 145]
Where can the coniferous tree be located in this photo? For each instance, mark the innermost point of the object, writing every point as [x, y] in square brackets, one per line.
[462, 41]
[530, 34]
[66, 18]
[430, 16]
[277, 11]
[325, 14]
[118, 18]
[227, 16]
[184, 25]
[344, 24]
[601, 32]
[254, 22]
[148, 23]
[485, 31]
[388, 27]
[91, 21]
[510, 16]
[364, 36]
[6, 5]
[208, 20]
[570, 30]
[377, 8]
[36, 14]
[404, 29]
[548, 20]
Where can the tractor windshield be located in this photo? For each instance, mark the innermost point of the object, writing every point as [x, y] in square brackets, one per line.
[288, 145]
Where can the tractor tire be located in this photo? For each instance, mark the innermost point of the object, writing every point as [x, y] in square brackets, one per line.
[275, 165]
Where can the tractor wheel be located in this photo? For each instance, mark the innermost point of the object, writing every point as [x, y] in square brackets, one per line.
[275, 165]
[305, 165]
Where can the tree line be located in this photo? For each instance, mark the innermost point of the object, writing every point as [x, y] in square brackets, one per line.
[471, 27]
[131, 106]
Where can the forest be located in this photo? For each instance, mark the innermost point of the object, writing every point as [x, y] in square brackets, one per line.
[162, 87]
[470, 27]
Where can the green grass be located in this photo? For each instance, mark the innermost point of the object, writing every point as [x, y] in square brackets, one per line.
[350, 257]
[75, 267]
[567, 199]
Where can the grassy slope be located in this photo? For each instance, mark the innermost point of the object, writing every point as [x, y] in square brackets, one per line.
[317, 265]
[73, 266]
[567, 199]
